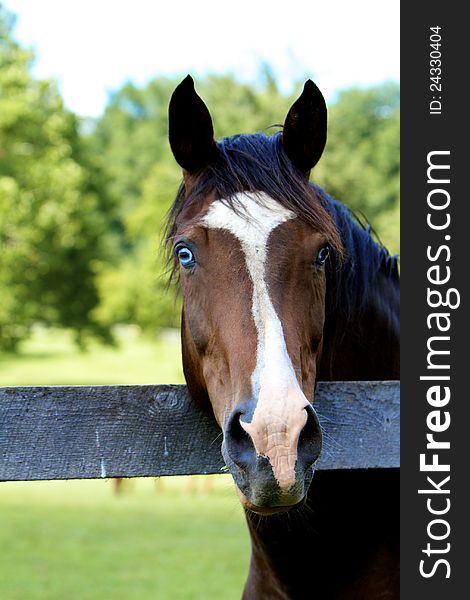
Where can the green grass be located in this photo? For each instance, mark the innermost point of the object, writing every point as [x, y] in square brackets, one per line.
[50, 358]
[78, 540]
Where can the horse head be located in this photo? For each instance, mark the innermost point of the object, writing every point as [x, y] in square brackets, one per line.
[251, 240]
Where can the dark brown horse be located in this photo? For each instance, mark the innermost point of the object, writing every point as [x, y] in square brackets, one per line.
[281, 288]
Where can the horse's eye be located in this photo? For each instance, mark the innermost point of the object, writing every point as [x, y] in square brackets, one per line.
[322, 255]
[185, 256]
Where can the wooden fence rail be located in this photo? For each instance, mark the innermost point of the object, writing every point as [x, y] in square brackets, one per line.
[80, 432]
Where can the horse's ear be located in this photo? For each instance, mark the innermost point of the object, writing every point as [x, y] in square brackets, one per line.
[191, 131]
[304, 133]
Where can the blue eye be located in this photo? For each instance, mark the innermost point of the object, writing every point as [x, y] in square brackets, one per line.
[322, 255]
[185, 256]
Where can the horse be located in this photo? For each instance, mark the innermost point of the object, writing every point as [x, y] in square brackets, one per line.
[283, 287]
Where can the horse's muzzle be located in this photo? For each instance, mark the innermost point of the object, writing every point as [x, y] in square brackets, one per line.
[277, 480]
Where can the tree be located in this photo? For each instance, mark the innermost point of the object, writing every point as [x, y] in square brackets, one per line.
[136, 289]
[361, 163]
[53, 216]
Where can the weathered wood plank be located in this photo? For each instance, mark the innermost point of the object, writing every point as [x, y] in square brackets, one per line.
[129, 431]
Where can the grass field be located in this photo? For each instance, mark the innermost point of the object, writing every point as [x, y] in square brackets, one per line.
[78, 540]
[51, 358]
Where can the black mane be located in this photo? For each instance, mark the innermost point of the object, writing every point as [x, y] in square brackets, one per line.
[362, 297]
[364, 258]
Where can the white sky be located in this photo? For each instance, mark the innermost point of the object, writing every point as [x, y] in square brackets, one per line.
[91, 47]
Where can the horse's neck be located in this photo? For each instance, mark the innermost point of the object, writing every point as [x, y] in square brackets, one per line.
[363, 346]
[361, 332]
[321, 550]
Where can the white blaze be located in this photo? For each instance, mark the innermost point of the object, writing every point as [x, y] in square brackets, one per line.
[279, 415]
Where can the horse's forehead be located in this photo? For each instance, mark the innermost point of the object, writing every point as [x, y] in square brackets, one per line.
[255, 217]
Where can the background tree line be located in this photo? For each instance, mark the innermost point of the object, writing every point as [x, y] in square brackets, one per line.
[83, 203]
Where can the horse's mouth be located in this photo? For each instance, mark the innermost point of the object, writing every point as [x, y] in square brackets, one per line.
[266, 511]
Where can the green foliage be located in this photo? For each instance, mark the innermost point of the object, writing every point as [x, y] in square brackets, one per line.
[239, 108]
[54, 211]
[132, 136]
[136, 289]
[361, 163]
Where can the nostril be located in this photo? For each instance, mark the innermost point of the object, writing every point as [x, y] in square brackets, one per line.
[238, 442]
[235, 428]
[310, 440]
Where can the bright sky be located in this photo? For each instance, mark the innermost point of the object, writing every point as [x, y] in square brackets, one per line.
[91, 47]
